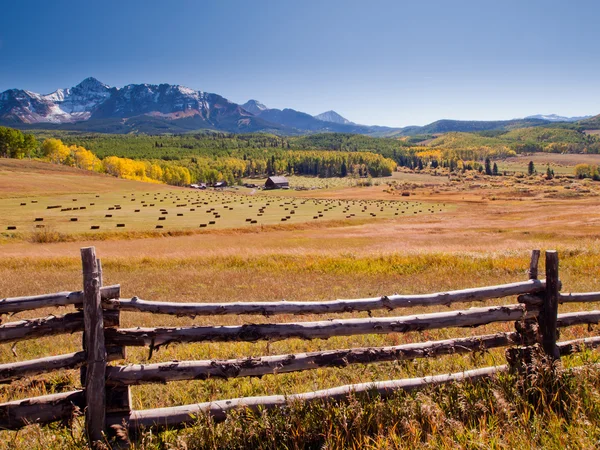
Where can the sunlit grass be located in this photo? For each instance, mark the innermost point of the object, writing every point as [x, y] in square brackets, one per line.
[276, 277]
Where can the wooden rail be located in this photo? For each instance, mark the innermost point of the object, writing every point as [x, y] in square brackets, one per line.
[588, 297]
[257, 367]
[389, 302]
[18, 304]
[105, 398]
[578, 318]
[43, 409]
[180, 415]
[157, 337]
[48, 326]
[14, 371]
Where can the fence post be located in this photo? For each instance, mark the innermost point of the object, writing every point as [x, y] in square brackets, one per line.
[519, 358]
[549, 312]
[95, 412]
[118, 401]
[533, 264]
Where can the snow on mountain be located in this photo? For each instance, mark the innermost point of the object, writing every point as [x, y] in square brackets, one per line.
[61, 106]
[91, 98]
[332, 116]
[254, 107]
[557, 118]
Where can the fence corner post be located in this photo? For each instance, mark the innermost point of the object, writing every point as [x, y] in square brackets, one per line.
[95, 411]
[549, 312]
[519, 358]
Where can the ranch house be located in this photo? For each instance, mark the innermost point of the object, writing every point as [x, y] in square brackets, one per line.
[277, 183]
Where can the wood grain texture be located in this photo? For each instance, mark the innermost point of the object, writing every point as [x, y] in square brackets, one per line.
[390, 302]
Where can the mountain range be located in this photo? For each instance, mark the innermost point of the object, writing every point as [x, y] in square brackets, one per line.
[165, 108]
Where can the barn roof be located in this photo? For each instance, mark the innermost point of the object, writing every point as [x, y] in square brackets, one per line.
[278, 180]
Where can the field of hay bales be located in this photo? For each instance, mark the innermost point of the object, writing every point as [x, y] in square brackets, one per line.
[467, 241]
[87, 207]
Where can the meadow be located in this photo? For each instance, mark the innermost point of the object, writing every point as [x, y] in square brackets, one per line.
[473, 241]
[563, 164]
[140, 207]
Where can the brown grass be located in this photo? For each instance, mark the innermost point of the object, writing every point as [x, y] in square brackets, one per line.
[477, 242]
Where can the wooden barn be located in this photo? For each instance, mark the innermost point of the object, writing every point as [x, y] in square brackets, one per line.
[277, 183]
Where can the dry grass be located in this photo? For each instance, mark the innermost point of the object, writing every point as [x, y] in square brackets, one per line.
[476, 242]
[273, 277]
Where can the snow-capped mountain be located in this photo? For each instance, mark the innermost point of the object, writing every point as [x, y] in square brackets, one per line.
[101, 106]
[61, 106]
[332, 116]
[159, 108]
[557, 118]
[254, 106]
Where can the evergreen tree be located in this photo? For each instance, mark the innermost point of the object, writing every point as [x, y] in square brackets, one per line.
[495, 169]
[531, 168]
[488, 166]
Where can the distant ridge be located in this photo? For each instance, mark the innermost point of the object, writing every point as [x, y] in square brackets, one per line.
[557, 118]
[164, 108]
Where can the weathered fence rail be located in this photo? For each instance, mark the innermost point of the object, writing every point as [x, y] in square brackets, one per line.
[18, 304]
[105, 396]
[390, 302]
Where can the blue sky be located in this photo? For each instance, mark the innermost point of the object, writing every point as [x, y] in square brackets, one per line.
[393, 63]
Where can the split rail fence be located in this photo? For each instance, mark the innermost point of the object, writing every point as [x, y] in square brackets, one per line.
[105, 395]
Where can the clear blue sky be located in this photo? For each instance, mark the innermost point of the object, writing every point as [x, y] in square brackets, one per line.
[382, 62]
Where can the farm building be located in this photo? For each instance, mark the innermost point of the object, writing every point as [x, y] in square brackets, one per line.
[277, 183]
[220, 184]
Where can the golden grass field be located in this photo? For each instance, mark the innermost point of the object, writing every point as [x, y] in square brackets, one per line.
[475, 237]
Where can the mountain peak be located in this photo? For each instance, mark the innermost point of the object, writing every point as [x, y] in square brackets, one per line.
[332, 116]
[92, 84]
[254, 107]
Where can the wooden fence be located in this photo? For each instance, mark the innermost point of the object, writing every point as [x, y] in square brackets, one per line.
[105, 396]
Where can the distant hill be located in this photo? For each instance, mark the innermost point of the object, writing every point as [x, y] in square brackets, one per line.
[448, 126]
[557, 118]
[593, 123]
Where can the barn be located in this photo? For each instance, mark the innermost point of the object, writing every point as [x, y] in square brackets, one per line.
[277, 183]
